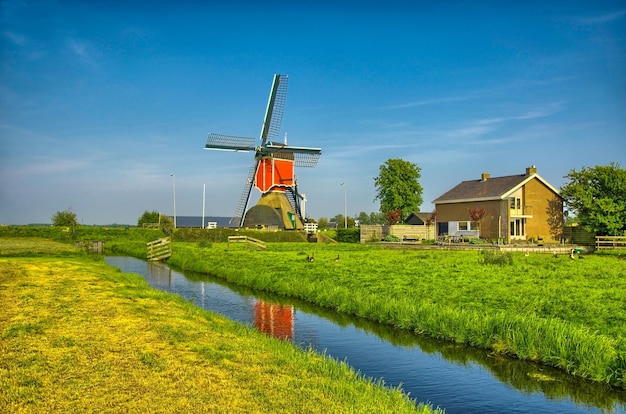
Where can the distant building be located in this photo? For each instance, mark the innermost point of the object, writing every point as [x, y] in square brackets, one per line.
[418, 218]
[196, 222]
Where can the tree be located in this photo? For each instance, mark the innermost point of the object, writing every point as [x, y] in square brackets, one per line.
[149, 219]
[65, 218]
[597, 197]
[377, 217]
[322, 223]
[477, 215]
[430, 221]
[398, 187]
[341, 221]
[154, 219]
[363, 218]
[393, 217]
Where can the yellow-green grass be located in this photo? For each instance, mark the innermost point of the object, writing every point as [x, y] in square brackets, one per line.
[21, 246]
[562, 312]
[79, 336]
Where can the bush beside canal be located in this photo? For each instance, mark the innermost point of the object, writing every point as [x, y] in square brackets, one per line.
[79, 336]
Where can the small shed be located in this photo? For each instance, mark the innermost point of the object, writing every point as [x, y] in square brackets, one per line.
[418, 218]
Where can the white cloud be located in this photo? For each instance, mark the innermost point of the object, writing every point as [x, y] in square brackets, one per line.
[86, 52]
[49, 166]
[602, 18]
[17, 38]
[431, 102]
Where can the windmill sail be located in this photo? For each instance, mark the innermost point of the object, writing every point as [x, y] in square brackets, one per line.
[238, 215]
[275, 108]
[229, 143]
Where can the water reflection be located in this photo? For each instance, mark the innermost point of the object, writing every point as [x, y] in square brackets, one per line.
[455, 377]
[274, 319]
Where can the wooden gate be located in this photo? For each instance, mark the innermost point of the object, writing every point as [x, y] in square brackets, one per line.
[159, 249]
[251, 241]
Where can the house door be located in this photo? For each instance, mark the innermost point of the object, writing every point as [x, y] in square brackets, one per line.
[518, 229]
[442, 228]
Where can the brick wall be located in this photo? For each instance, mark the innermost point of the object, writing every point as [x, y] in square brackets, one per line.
[546, 209]
[488, 225]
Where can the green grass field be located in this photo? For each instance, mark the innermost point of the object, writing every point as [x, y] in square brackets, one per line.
[79, 336]
[562, 312]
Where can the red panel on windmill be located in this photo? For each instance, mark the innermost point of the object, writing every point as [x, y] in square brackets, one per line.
[274, 174]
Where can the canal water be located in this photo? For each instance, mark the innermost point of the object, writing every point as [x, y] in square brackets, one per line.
[456, 378]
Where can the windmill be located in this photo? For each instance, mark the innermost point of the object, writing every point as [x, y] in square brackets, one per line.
[272, 171]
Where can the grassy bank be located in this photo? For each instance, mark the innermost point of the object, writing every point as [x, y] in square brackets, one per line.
[79, 336]
[562, 312]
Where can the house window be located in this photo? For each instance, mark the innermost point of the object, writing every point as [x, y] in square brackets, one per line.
[516, 204]
[467, 225]
[518, 227]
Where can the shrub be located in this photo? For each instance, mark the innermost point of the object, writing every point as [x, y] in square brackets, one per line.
[496, 257]
[391, 238]
[351, 235]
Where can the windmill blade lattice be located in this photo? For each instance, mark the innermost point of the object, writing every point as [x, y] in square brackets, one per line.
[238, 215]
[275, 108]
[229, 143]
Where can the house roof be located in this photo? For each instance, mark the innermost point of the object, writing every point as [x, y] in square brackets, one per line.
[496, 188]
[417, 217]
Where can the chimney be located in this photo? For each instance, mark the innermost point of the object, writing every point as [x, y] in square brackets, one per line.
[531, 170]
[485, 176]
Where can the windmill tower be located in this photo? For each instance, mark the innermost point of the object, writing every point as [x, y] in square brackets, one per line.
[273, 169]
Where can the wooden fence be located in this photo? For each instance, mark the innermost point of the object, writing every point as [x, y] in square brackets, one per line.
[92, 246]
[251, 241]
[610, 242]
[578, 235]
[405, 232]
[159, 249]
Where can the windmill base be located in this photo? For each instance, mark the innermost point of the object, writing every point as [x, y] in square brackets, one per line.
[273, 211]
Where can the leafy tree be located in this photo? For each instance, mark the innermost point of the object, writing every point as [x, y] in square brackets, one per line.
[597, 196]
[156, 220]
[477, 215]
[393, 217]
[376, 217]
[341, 222]
[65, 218]
[149, 218]
[398, 187]
[166, 224]
[363, 218]
[322, 223]
[430, 221]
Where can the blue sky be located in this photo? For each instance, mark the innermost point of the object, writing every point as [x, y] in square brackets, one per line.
[101, 101]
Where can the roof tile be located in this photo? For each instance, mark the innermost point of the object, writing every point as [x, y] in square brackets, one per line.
[489, 188]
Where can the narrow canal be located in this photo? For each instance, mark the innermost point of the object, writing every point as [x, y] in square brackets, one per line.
[457, 378]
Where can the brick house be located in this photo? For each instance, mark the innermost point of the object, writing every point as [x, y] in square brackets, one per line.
[517, 207]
